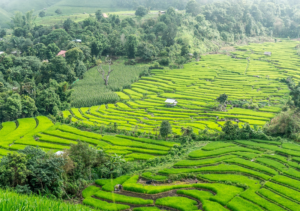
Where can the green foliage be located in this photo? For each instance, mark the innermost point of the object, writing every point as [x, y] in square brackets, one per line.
[14, 201]
[165, 129]
[131, 46]
[42, 14]
[84, 159]
[192, 7]
[98, 15]
[222, 98]
[141, 11]
[284, 124]
[58, 11]
[14, 170]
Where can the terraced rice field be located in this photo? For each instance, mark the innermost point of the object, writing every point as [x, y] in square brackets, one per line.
[251, 77]
[43, 133]
[236, 176]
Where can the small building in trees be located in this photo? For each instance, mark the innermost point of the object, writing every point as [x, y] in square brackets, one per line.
[171, 102]
[77, 40]
[162, 12]
[62, 53]
[1, 52]
[104, 15]
[268, 53]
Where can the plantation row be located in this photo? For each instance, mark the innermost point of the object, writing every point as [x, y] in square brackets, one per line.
[235, 176]
[251, 81]
[41, 132]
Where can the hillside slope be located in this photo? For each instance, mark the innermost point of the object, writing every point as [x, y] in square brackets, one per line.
[4, 17]
[23, 6]
[81, 6]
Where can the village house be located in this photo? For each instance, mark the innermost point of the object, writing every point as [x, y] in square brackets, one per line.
[62, 53]
[171, 102]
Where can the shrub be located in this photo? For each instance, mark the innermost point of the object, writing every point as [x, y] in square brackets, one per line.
[164, 62]
[284, 124]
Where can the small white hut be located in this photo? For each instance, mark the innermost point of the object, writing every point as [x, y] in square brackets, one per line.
[171, 102]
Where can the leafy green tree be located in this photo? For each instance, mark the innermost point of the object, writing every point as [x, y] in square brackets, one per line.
[48, 102]
[68, 24]
[74, 55]
[46, 171]
[42, 14]
[231, 131]
[58, 36]
[169, 34]
[80, 69]
[2, 33]
[98, 15]
[131, 46]
[141, 11]
[146, 51]
[165, 129]
[98, 46]
[184, 50]
[28, 106]
[23, 21]
[11, 108]
[193, 8]
[222, 98]
[13, 170]
[84, 158]
[111, 166]
[295, 93]
[40, 51]
[61, 71]
[51, 51]
[58, 11]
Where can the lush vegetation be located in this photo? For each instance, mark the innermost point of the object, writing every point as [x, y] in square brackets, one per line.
[228, 187]
[83, 111]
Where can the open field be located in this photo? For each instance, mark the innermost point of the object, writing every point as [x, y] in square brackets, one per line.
[234, 183]
[52, 18]
[252, 83]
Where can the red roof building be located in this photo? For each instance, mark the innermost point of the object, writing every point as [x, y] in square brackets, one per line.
[62, 53]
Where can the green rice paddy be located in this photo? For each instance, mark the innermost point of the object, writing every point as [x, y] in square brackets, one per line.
[237, 175]
[226, 182]
[251, 78]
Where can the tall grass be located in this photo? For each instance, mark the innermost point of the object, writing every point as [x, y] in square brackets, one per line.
[13, 201]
